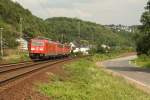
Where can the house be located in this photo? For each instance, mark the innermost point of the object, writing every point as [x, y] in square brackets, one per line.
[76, 48]
[23, 44]
[83, 50]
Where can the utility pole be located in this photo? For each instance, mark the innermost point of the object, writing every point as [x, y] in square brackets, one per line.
[1, 31]
[79, 27]
[21, 27]
[62, 37]
[20, 33]
[92, 40]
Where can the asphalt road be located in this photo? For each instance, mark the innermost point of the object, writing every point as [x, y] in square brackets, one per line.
[123, 67]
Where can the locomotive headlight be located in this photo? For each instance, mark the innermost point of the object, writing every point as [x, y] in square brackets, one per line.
[32, 48]
[41, 49]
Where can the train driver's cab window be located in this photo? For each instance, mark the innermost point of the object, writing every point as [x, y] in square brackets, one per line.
[37, 43]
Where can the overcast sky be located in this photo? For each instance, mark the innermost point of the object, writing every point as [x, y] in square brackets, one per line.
[125, 12]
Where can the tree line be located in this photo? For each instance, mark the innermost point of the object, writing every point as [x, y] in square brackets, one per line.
[58, 28]
[143, 43]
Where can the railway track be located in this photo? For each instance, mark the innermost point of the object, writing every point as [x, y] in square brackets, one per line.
[12, 72]
[14, 64]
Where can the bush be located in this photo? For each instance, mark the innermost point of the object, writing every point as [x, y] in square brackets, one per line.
[143, 45]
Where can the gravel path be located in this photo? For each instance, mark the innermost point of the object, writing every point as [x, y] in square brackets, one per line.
[123, 67]
[26, 88]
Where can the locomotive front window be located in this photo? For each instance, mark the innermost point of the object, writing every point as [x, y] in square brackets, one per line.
[37, 43]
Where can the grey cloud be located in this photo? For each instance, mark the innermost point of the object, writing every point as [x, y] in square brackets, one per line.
[63, 3]
[101, 11]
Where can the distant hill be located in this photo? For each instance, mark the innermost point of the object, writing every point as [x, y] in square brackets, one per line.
[89, 31]
[57, 28]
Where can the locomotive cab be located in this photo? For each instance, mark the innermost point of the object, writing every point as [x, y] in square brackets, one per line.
[37, 49]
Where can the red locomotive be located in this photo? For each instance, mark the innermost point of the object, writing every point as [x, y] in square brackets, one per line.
[45, 48]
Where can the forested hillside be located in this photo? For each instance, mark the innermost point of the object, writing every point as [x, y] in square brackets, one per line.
[59, 28]
[89, 31]
[143, 44]
[10, 15]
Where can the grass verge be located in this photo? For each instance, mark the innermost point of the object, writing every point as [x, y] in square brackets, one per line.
[142, 61]
[13, 56]
[84, 81]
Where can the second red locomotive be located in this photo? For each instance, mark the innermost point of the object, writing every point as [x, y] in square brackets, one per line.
[45, 48]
